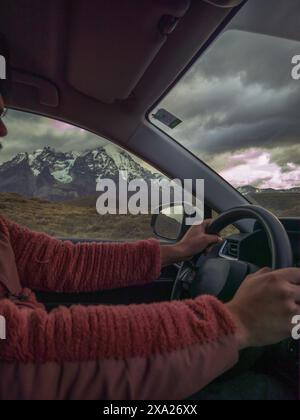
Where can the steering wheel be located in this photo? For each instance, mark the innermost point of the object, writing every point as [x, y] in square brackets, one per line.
[222, 276]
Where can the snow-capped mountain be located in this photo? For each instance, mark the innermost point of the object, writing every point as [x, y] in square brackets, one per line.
[54, 175]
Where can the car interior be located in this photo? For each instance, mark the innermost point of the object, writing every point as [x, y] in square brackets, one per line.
[105, 67]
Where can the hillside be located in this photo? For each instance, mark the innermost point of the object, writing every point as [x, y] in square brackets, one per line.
[74, 219]
[284, 203]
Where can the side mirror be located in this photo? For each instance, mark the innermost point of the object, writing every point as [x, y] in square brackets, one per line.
[169, 223]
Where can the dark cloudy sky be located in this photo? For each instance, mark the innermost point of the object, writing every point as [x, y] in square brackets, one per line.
[28, 133]
[239, 104]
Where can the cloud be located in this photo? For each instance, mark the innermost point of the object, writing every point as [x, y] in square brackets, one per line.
[286, 156]
[28, 132]
[258, 170]
[253, 57]
[240, 97]
[246, 100]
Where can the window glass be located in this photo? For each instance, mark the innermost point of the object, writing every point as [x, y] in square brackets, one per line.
[48, 173]
[237, 109]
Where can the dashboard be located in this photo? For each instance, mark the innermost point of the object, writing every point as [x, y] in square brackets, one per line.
[254, 248]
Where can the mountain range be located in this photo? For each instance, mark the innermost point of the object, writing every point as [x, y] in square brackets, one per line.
[250, 190]
[58, 176]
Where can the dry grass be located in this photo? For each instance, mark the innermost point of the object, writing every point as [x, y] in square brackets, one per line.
[77, 219]
[282, 204]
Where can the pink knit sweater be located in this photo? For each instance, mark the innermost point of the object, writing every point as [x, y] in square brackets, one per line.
[47, 264]
[83, 334]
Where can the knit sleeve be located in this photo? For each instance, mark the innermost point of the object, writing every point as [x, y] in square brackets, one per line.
[47, 264]
[142, 348]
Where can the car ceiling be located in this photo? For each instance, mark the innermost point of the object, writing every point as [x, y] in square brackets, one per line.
[102, 64]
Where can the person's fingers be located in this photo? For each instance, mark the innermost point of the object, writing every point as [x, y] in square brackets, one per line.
[213, 239]
[295, 291]
[293, 276]
[261, 272]
[206, 223]
[264, 270]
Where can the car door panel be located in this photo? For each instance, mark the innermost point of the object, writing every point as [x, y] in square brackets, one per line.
[158, 291]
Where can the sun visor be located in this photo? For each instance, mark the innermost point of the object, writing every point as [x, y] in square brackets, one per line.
[112, 43]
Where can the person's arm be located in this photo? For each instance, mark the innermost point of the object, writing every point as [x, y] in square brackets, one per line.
[157, 351]
[48, 264]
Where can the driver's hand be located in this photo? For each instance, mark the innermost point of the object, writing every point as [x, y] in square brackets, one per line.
[195, 241]
[264, 306]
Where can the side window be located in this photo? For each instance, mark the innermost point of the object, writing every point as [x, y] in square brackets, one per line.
[48, 176]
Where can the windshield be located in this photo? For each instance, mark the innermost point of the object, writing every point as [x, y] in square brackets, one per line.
[238, 107]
